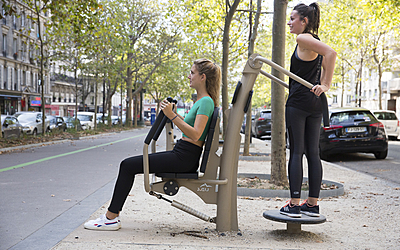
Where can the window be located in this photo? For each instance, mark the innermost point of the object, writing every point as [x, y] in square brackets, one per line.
[23, 19]
[23, 77]
[348, 98]
[16, 79]
[14, 21]
[5, 17]
[375, 93]
[334, 99]
[369, 94]
[23, 51]
[12, 77]
[5, 78]
[4, 45]
[15, 48]
[334, 84]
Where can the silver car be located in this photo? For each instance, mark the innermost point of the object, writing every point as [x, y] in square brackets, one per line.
[32, 122]
[10, 127]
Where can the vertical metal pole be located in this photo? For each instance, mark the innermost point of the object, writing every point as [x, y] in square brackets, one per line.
[227, 194]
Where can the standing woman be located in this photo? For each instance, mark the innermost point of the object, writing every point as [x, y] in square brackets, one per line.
[205, 78]
[304, 107]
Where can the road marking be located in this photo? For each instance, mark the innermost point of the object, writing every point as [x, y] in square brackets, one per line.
[65, 154]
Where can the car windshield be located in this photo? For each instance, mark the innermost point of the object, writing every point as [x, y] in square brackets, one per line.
[266, 115]
[26, 117]
[84, 117]
[351, 117]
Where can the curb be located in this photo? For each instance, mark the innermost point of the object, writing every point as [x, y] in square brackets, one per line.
[271, 193]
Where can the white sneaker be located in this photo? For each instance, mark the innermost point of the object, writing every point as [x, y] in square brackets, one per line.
[103, 224]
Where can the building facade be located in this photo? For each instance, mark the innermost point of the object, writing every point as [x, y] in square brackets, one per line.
[19, 68]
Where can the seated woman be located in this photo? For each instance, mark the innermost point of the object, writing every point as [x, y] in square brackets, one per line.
[205, 78]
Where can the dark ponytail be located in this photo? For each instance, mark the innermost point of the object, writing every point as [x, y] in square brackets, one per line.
[312, 12]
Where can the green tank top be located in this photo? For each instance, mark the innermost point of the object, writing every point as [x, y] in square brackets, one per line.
[204, 106]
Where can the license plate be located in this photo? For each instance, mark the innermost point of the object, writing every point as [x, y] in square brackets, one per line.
[356, 129]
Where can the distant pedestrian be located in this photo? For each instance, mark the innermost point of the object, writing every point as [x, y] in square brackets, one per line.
[313, 61]
[205, 78]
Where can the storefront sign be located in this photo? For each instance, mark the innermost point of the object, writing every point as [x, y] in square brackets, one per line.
[36, 102]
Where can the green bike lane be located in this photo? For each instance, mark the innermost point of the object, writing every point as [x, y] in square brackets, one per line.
[47, 191]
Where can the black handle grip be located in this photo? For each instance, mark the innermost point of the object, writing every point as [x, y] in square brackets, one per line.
[154, 128]
[160, 128]
[158, 125]
[235, 95]
[248, 101]
[325, 110]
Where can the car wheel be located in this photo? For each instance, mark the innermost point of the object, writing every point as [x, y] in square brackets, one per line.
[34, 133]
[380, 155]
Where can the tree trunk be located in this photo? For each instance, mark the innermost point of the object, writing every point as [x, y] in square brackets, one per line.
[252, 39]
[225, 60]
[278, 145]
[95, 99]
[129, 104]
[380, 86]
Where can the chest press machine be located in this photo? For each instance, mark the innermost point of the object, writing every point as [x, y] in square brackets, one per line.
[216, 181]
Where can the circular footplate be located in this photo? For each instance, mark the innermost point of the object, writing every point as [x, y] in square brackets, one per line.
[275, 215]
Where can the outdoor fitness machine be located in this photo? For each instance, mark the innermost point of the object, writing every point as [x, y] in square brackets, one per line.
[216, 180]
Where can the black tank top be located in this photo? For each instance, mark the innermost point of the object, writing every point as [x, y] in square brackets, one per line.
[300, 96]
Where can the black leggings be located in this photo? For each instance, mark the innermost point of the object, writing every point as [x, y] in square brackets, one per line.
[303, 131]
[183, 158]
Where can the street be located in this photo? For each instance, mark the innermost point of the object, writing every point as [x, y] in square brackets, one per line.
[388, 169]
[62, 183]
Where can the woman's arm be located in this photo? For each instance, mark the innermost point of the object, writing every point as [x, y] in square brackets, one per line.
[193, 133]
[309, 43]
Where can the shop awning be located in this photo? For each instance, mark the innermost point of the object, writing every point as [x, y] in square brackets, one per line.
[11, 96]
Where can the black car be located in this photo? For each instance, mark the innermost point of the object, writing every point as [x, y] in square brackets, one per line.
[261, 125]
[353, 130]
[57, 123]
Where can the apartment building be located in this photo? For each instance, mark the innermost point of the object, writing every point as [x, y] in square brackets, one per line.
[19, 67]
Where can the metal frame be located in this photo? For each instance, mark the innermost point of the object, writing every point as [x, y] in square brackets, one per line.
[223, 187]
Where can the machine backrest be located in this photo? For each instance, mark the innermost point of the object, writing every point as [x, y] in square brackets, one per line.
[209, 139]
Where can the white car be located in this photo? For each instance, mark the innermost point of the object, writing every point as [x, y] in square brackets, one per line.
[390, 121]
[86, 119]
[32, 122]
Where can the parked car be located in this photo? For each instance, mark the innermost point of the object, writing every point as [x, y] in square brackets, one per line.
[70, 122]
[244, 123]
[353, 130]
[87, 119]
[10, 127]
[261, 125]
[32, 122]
[390, 121]
[57, 123]
[115, 120]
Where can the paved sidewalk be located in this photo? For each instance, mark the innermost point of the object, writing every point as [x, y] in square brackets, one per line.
[365, 217]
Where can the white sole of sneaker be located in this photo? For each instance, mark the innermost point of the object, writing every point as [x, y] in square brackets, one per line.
[102, 228]
[291, 215]
[310, 214]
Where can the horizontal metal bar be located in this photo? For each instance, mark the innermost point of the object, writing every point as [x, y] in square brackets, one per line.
[284, 71]
[275, 79]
